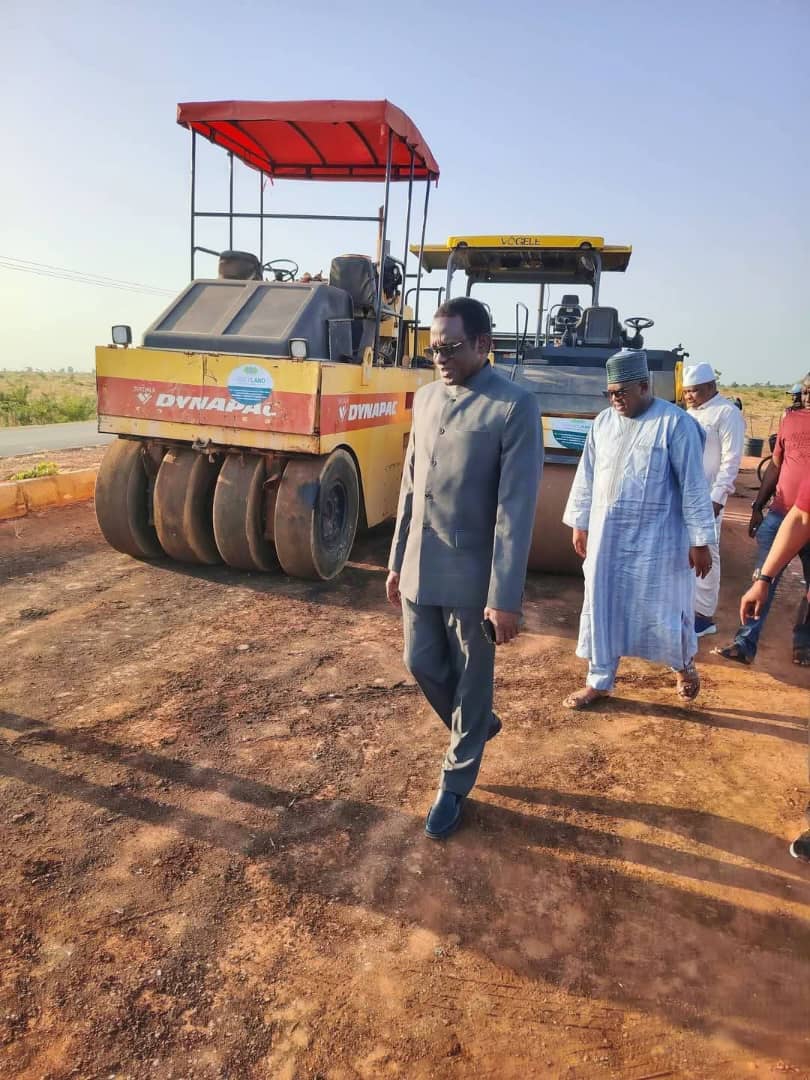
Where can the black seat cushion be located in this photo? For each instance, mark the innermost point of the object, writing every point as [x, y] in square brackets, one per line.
[239, 266]
[600, 326]
[356, 275]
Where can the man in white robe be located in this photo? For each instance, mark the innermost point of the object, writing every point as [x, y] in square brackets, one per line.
[724, 427]
[643, 521]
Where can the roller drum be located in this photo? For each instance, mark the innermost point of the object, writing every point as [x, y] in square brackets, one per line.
[551, 551]
[241, 510]
[184, 493]
[124, 501]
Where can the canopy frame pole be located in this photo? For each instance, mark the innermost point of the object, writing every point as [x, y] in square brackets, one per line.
[230, 200]
[402, 327]
[420, 271]
[541, 301]
[597, 276]
[244, 214]
[261, 220]
[193, 202]
[451, 269]
[383, 237]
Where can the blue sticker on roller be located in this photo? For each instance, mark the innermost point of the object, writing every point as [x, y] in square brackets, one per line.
[570, 440]
[250, 384]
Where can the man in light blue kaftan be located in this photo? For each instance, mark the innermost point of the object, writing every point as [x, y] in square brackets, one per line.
[642, 517]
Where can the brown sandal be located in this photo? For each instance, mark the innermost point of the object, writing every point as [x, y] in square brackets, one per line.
[584, 698]
[688, 682]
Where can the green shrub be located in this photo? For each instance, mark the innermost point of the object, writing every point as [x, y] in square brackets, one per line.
[44, 468]
[19, 407]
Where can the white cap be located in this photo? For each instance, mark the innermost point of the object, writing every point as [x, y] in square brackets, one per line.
[697, 374]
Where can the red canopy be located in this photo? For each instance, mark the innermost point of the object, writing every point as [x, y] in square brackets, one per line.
[314, 140]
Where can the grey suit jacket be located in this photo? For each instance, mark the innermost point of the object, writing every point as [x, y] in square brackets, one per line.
[468, 495]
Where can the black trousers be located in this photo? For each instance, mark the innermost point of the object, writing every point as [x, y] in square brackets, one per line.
[448, 654]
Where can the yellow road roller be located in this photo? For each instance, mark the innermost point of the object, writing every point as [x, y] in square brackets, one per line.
[561, 357]
[265, 416]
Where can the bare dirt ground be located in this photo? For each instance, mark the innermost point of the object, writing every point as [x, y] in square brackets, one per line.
[211, 810]
[67, 460]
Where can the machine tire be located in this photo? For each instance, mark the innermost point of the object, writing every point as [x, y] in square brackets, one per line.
[317, 510]
[123, 496]
[551, 550]
[184, 491]
[239, 514]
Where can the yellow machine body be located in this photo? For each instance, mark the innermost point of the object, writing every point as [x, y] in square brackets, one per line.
[265, 415]
[310, 407]
[561, 360]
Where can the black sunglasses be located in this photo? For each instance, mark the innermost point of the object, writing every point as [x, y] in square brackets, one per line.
[433, 352]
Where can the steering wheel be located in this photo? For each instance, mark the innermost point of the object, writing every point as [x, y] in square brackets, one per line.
[638, 323]
[282, 273]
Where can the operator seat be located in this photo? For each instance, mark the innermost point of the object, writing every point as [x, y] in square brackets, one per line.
[239, 266]
[357, 275]
[600, 326]
[568, 313]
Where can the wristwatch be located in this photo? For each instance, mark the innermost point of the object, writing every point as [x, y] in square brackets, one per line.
[759, 576]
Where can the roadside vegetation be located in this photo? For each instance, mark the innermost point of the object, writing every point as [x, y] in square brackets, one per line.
[43, 468]
[46, 397]
[54, 397]
[763, 406]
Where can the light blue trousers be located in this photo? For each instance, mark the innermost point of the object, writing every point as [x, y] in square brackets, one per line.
[602, 676]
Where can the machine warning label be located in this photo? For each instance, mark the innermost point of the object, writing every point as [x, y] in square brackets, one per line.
[250, 384]
[565, 434]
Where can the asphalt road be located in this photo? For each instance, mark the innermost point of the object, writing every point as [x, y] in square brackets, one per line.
[33, 438]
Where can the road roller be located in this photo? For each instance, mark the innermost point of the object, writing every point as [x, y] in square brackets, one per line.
[265, 415]
[561, 357]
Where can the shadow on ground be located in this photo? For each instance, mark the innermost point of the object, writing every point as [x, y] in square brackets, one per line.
[622, 922]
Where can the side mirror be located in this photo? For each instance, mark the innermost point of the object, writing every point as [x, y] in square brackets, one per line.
[122, 335]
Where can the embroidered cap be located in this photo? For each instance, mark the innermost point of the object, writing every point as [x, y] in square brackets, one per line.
[629, 365]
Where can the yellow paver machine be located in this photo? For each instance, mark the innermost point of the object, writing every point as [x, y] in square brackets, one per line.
[266, 414]
[562, 358]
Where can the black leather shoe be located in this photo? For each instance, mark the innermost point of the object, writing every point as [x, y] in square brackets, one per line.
[444, 816]
[494, 727]
[800, 848]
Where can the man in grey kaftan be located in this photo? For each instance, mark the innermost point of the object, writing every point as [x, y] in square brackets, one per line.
[642, 518]
[462, 538]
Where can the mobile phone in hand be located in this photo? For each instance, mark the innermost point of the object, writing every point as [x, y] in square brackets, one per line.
[488, 630]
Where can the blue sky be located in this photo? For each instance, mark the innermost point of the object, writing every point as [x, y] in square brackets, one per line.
[679, 128]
